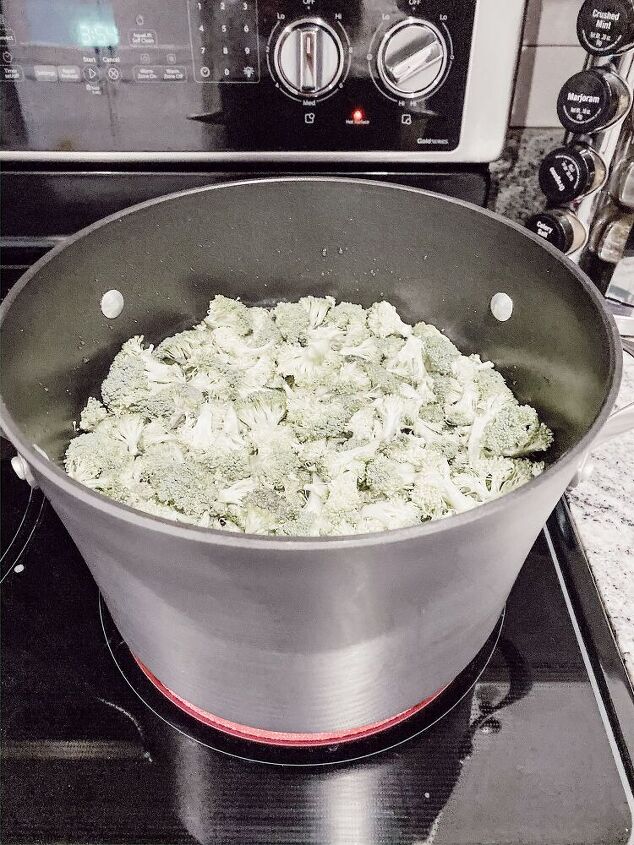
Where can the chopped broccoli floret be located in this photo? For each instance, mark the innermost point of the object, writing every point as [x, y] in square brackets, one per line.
[313, 418]
[92, 415]
[266, 511]
[349, 318]
[292, 321]
[397, 513]
[308, 419]
[228, 314]
[136, 374]
[440, 354]
[384, 320]
[515, 431]
[184, 485]
[385, 477]
[97, 459]
[366, 349]
[316, 308]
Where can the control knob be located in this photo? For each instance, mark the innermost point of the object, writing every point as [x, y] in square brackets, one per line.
[606, 27]
[412, 58]
[309, 57]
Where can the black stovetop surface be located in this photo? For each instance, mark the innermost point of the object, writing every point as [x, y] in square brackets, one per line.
[525, 753]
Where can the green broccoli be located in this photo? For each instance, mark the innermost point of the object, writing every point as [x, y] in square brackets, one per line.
[228, 314]
[515, 431]
[397, 513]
[386, 477]
[312, 418]
[316, 308]
[383, 320]
[292, 321]
[92, 415]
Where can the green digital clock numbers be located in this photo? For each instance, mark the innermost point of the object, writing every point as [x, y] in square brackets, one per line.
[95, 33]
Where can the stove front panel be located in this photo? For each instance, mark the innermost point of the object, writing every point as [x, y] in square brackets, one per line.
[302, 80]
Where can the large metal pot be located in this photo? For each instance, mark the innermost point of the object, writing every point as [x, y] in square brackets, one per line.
[316, 635]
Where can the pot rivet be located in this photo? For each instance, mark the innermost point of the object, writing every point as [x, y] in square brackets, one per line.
[23, 470]
[501, 306]
[112, 304]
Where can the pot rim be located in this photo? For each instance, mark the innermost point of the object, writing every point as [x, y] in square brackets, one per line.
[186, 531]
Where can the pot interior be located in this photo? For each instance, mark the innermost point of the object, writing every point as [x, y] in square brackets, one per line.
[435, 260]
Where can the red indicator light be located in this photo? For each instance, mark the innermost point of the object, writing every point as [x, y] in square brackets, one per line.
[358, 115]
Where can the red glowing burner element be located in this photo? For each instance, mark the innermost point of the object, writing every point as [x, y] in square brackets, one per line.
[297, 740]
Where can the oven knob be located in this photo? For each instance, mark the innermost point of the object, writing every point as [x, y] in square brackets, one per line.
[560, 227]
[412, 58]
[309, 57]
[592, 100]
[606, 27]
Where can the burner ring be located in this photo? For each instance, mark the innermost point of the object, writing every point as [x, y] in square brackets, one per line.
[357, 748]
[294, 740]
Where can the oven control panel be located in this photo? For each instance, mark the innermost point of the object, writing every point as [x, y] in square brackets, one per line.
[328, 79]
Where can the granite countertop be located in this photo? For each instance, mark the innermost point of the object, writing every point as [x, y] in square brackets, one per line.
[603, 506]
[603, 509]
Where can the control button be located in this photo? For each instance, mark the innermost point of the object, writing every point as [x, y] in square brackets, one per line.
[7, 36]
[560, 227]
[308, 57]
[174, 73]
[592, 100]
[91, 73]
[69, 73]
[606, 27]
[11, 73]
[45, 73]
[170, 58]
[412, 58]
[159, 73]
[113, 73]
[147, 73]
[7, 57]
[568, 173]
[142, 38]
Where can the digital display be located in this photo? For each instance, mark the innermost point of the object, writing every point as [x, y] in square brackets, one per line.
[72, 23]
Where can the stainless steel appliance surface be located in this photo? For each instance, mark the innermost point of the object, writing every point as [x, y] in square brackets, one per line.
[306, 635]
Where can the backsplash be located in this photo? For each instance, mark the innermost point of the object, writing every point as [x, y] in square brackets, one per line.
[550, 54]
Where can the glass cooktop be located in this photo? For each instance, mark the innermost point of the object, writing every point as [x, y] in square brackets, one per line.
[529, 745]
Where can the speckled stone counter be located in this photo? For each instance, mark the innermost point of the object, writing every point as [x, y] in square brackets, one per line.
[603, 506]
[603, 509]
[515, 191]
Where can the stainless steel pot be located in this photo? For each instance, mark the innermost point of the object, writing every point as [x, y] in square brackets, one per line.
[316, 635]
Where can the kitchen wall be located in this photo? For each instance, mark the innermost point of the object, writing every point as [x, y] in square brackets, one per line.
[550, 54]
